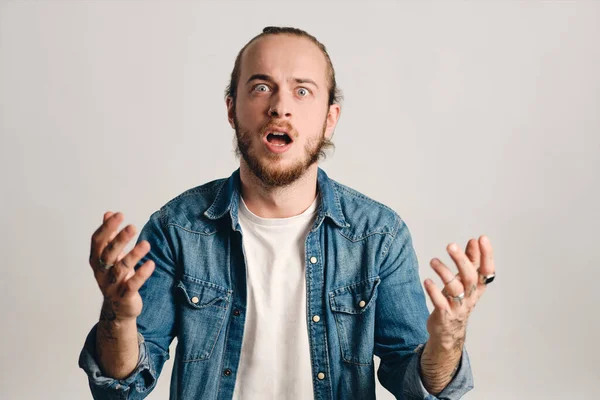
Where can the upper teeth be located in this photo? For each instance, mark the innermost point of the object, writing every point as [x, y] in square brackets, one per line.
[278, 133]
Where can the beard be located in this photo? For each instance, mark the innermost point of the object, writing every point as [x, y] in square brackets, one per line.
[266, 168]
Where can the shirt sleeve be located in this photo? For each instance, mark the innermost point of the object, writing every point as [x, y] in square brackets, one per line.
[103, 387]
[456, 389]
[401, 324]
[156, 324]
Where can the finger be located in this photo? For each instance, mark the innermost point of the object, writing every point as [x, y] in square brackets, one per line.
[127, 263]
[111, 222]
[467, 271]
[107, 215]
[102, 236]
[110, 254]
[452, 282]
[444, 272]
[488, 266]
[142, 274]
[473, 252]
[435, 294]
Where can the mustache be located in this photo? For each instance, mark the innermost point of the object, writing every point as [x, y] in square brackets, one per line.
[273, 125]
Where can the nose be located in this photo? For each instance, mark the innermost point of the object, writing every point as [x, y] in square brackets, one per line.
[280, 107]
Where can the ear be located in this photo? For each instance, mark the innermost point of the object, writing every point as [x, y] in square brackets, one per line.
[333, 115]
[230, 111]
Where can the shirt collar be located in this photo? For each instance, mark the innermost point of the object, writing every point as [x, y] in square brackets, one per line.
[228, 198]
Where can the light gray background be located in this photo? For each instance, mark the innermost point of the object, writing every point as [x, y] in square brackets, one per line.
[467, 118]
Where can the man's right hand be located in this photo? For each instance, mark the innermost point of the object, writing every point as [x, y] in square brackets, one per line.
[114, 270]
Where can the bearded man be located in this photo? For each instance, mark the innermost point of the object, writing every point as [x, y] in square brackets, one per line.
[279, 282]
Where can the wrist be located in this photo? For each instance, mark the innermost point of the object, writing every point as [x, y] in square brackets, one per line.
[118, 324]
[444, 345]
[109, 315]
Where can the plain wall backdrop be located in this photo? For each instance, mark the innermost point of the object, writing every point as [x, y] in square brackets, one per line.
[467, 118]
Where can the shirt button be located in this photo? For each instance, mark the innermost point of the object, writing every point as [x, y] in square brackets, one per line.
[362, 303]
[195, 299]
[321, 376]
[316, 318]
[236, 312]
[313, 260]
[227, 372]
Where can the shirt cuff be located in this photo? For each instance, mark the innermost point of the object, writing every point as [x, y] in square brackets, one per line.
[104, 387]
[455, 390]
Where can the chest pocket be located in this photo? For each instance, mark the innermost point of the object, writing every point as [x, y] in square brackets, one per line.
[203, 308]
[353, 308]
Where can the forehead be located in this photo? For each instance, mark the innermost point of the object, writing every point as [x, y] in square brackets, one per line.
[284, 56]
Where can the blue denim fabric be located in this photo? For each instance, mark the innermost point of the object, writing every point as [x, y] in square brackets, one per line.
[361, 279]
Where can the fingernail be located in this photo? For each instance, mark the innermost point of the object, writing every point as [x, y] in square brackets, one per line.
[453, 247]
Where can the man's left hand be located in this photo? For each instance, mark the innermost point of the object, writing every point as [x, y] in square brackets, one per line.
[447, 324]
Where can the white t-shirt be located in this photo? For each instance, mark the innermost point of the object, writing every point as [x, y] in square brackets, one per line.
[275, 358]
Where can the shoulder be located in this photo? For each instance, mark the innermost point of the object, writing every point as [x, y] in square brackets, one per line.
[202, 194]
[365, 215]
[186, 210]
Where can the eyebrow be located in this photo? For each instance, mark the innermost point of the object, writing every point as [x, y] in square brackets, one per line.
[306, 80]
[263, 77]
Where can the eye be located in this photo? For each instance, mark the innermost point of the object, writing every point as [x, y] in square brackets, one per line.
[303, 92]
[261, 87]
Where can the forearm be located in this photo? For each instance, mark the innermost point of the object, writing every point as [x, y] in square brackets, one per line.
[116, 343]
[439, 363]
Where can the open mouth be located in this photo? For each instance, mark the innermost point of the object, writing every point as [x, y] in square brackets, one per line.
[279, 138]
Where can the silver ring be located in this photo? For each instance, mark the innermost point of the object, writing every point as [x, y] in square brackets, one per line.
[455, 298]
[458, 299]
[104, 265]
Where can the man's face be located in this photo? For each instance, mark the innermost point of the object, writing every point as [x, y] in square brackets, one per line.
[281, 116]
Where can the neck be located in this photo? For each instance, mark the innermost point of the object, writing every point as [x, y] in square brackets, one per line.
[278, 202]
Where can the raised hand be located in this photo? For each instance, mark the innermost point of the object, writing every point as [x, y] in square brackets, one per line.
[447, 324]
[461, 292]
[113, 269]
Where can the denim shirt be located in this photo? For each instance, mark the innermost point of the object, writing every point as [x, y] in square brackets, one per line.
[362, 281]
